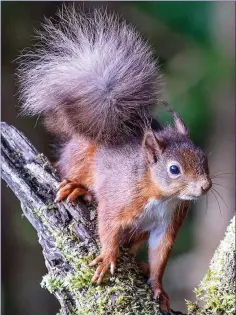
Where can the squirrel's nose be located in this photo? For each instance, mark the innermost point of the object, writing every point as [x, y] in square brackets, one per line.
[206, 186]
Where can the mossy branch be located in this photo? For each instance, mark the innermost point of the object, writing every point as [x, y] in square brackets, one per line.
[67, 234]
[216, 292]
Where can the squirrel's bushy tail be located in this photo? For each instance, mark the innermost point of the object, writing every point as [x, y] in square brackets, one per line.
[91, 75]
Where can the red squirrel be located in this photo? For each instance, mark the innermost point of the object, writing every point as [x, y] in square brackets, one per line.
[96, 82]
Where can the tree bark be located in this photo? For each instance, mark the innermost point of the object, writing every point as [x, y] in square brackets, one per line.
[67, 234]
[216, 292]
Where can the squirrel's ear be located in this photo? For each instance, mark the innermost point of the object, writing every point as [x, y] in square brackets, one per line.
[180, 125]
[153, 146]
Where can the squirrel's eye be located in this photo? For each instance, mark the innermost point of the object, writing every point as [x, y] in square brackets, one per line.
[174, 169]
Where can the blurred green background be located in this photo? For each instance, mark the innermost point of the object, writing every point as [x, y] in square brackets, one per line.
[194, 42]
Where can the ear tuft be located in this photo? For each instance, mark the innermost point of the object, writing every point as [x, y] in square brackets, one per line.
[180, 125]
[153, 146]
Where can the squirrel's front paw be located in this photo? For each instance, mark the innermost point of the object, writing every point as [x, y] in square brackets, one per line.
[163, 300]
[71, 190]
[106, 262]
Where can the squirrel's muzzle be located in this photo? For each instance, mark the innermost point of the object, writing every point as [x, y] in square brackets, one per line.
[197, 188]
[206, 185]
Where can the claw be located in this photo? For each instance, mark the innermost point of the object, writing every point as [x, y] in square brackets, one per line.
[75, 193]
[63, 183]
[71, 190]
[99, 274]
[96, 275]
[164, 300]
[105, 263]
[112, 268]
[96, 261]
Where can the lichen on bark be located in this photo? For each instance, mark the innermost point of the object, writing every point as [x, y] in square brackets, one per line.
[125, 293]
[68, 237]
[69, 241]
[216, 292]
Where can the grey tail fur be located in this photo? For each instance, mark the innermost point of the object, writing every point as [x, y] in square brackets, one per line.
[91, 75]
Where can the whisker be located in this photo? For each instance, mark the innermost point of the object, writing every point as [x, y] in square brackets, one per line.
[221, 185]
[221, 197]
[220, 176]
[217, 201]
[219, 171]
[206, 204]
[225, 173]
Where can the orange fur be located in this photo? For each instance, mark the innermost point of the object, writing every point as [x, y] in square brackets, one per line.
[115, 224]
[191, 160]
[71, 190]
[158, 257]
[78, 167]
[83, 171]
[133, 240]
[163, 250]
[146, 189]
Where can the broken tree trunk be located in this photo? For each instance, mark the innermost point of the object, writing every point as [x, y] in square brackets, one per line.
[67, 234]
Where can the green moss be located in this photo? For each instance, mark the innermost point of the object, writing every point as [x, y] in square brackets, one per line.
[116, 298]
[81, 278]
[37, 212]
[216, 292]
[125, 291]
[192, 307]
[52, 283]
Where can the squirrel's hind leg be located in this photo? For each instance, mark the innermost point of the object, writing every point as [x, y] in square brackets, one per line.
[75, 165]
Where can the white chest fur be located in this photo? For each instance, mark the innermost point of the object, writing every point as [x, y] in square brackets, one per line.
[157, 213]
